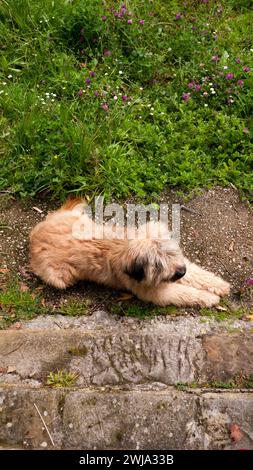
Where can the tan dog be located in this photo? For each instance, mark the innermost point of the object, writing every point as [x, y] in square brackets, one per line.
[154, 269]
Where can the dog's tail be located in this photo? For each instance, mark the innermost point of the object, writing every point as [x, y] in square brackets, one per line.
[73, 202]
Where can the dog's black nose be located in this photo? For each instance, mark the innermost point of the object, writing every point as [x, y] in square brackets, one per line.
[180, 272]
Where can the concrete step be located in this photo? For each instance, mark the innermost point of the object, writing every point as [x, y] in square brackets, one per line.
[168, 352]
[143, 417]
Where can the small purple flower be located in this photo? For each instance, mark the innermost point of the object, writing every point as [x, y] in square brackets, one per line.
[142, 22]
[80, 93]
[92, 74]
[249, 281]
[191, 85]
[88, 80]
[229, 76]
[204, 1]
[238, 60]
[105, 106]
[104, 18]
[240, 83]
[186, 96]
[107, 53]
[215, 58]
[205, 94]
[96, 93]
[246, 69]
[123, 10]
[151, 14]
[129, 21]
[179, 16]
[124, 98]
[198, 87]
[123, 5]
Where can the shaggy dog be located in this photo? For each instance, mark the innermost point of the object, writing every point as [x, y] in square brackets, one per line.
[154, 269]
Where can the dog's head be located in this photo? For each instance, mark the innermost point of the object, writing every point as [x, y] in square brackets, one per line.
[152, 262]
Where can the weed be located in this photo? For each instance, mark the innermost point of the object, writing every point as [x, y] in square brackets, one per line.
[238, 381]
[73, 307]
[221, 384]
[185, 385]
[61, 379]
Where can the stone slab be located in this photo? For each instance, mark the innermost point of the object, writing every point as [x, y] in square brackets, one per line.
[112, 418]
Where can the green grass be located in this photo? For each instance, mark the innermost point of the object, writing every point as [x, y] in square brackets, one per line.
[19, 302]
[16, 304]
[224, 315]
[57, 138]
[142, 311]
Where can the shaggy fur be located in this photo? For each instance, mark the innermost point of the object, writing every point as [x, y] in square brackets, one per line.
[154, 269]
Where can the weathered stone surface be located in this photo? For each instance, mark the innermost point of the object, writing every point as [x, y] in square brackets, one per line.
[112, 418]
[218, 412]
[227, 355]
[100, 358]
[20, 423]
[117, 357]
[127, 420]
[184, 324]
[31, 355]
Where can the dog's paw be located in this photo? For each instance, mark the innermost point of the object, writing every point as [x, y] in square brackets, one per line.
[208, 299]
[220, 288]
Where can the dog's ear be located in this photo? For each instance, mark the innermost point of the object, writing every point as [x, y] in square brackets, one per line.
[136, 269]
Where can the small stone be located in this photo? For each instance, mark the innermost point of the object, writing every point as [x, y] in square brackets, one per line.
[43, 444]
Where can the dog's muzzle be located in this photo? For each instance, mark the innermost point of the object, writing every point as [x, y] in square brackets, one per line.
[180, 272]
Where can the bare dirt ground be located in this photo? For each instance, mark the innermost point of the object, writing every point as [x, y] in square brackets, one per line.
[216, 232]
